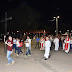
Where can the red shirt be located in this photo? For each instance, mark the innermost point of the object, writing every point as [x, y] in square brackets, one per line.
[8, 47]
[21, 44]
[45, 38]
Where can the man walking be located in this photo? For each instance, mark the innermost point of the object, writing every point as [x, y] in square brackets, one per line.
[67, 44]
[47, 48]
[28, 46]
[56, 42]
[37, 42]
[9, 50]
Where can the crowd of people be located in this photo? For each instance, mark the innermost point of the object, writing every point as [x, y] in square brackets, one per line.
[42, 43]
[59, 42]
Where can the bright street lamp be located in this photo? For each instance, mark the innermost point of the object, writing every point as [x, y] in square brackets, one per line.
[56, 24]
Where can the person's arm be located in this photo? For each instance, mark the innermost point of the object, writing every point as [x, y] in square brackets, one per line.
[8, 44]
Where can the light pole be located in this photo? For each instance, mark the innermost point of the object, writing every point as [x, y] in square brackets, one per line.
[68, 31]
[57, 24]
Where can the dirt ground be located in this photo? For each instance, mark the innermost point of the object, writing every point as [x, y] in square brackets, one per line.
[58, 62]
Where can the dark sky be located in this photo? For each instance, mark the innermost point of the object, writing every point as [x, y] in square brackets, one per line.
[47, 10]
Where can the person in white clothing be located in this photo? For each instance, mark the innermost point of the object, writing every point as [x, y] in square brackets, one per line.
[56, 42]
[28, 46]
[47, 48]
[63, 44]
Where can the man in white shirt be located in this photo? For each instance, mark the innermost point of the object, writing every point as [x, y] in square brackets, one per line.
[47, 48]
[28, 46]
[56, 42]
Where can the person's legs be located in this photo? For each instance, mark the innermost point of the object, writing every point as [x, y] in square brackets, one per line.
[18, 50]
[15, 48]
[8, 56]
[36, 46]
[5, 49]
[21, 50]
[27, 51]
[71, 46]
[61, 44]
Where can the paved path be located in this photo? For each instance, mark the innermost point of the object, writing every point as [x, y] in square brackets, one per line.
[59, 62]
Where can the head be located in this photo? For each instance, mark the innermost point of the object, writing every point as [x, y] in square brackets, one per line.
[28, 37]
[17, 39]
[56, 36]
[37, 36]
[47, 38]
[67, 36]
[20, 41]
[10, 38]
[13, 38]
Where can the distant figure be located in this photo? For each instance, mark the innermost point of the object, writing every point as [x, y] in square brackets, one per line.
[63, 44]
[5, 47]
[17, 46]
[71, 43]
[28, 46]
[9, 50]
[60, 42]
[47, 48]
[20, 47]
[37, 42]
[42, 43]
[67, 44]
[14, 44]
[34, 39]
[56, 42]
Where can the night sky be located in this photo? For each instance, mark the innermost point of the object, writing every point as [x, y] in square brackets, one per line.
[33, 15]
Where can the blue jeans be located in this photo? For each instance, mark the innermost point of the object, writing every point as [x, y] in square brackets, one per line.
[60, 44]
[14, 46]
[28, 51]
[8, 56]
[19, 50]
[70, 46]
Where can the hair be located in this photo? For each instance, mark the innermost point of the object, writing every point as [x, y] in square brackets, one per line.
[20, 40]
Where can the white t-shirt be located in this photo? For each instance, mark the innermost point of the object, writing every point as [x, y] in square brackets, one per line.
[71, 41]
[14, 41]
[28, 44]
[56, 41]
[17, 44]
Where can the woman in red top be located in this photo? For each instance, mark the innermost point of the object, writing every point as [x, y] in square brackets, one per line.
[19, 49]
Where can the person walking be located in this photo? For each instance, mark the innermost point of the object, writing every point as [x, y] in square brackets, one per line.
[9, 44]
[37, 42]
[28, 46]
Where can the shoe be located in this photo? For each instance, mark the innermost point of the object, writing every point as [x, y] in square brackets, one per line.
[29, 55]
[13, 62]
[49, 56]
[45, 59]
[25, 55]
[8, 64]
[17, 55]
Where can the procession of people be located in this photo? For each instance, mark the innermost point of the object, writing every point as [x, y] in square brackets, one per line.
[42, 43]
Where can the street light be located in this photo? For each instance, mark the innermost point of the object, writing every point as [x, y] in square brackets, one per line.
[68, 31]
[56, 24]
